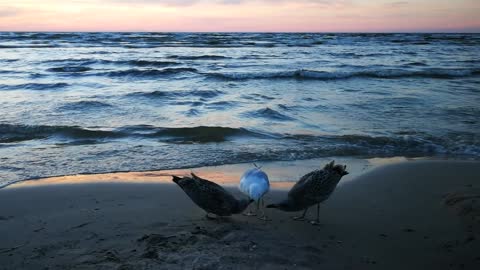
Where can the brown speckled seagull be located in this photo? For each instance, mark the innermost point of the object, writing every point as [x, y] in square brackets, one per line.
[210, 196]
[313, 188]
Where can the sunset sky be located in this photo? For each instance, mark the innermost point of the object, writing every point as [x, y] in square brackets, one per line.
[241, 15]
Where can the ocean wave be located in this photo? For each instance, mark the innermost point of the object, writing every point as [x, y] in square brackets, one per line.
[49, 36]
[268, 114]
[149, 72]
[198, 57]
[349, 55]
[434, 73]
[178, 144]
[204, 134]
[410, 144]
[198, 134]
[9, 60]
[421, 64]
[147, 63]
[9, 71]
[16, 133]
[136, 62]
[34, 86]
[192, 112]
[175, 94]
[26, 46]
[84, 105]
[206, 40]
[80, 61]
[221, 105]
[70, 69]
[257, 97]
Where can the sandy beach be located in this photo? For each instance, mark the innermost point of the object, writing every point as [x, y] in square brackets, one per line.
[407, 215]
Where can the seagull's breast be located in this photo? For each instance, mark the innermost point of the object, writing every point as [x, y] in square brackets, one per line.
[254, 183]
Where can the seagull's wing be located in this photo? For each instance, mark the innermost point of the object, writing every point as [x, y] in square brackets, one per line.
[217, 191]
[298, 189]
[307, 182]
[209, 183]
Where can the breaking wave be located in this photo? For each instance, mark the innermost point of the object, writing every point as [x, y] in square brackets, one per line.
[15, 133]
[70, 69]
[199, 57]
[149, 72]
[338, 75]
[33, 86]
[84, 105]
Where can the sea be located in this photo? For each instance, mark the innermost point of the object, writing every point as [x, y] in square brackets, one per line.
[102, 102]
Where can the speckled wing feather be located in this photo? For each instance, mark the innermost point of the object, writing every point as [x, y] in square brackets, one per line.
[308, 184]
[213, 197]
[214, 187]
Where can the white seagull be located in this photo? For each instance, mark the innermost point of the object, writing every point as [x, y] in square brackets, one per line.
[254, 183]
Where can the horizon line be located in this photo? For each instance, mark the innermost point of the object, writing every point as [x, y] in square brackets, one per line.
[253, 32]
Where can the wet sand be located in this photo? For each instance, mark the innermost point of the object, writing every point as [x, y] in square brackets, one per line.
[411, 215]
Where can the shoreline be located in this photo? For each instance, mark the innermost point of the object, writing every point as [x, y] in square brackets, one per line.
[415, 215]
[284, 173]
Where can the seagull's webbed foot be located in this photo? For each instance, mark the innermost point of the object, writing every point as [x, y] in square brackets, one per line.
[315, 222]
[208, 216]
[302, 217]
[250, 214]
[264, 217]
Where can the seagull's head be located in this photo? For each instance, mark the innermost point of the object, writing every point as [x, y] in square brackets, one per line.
[176, 179]
[340, 169]
[336, 168]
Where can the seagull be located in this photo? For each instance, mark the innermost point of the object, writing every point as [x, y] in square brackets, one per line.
[254, 183]
[313, 188]
[210, 196]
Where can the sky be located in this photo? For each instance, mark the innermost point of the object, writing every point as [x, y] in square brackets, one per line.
[241, 15]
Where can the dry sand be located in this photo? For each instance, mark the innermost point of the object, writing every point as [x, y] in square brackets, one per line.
[411, 215]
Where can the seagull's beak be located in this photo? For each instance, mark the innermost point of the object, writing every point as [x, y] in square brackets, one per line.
[176, 179]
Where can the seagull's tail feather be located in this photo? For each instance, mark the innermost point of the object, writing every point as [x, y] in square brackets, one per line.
[330, 165]
[256, 191]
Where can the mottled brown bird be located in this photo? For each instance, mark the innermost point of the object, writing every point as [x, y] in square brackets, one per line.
[210, 196]
[313, 188]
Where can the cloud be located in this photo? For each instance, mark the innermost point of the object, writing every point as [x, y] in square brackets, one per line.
[160, 2]
[8, 12]
[225, 2]
[398, 4]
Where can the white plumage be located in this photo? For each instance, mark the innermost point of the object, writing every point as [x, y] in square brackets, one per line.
[254, 183]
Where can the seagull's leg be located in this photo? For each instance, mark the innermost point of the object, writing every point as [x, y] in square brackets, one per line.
[263, 217]
[317, 221]
[250, 213]
[302, 217]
